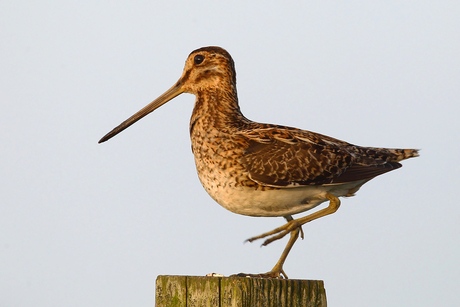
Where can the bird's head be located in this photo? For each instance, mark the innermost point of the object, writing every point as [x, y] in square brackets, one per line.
[207, 68]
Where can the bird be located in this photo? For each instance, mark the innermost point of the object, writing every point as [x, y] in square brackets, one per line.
[265, 170]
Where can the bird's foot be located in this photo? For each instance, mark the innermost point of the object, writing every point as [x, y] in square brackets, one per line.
[279, 233]
[275, 273]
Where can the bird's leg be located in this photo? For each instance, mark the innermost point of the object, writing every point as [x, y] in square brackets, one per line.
[294, 227]
[280, 232]
[277, 271]
[290, 218]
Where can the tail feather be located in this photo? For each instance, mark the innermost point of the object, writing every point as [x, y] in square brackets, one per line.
[393, 154]
[407, 153]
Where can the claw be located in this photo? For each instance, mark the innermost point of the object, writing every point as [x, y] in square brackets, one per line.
[272, 274]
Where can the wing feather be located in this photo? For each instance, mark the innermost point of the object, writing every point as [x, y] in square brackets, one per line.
[299, 158]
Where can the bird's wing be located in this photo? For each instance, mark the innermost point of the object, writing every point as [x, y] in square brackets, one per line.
[278, 158]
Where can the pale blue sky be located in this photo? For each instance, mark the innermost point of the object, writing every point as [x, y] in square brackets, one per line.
[83, 224]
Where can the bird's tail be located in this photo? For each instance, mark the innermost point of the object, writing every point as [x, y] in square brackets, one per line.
[403, 154]
[395, 155]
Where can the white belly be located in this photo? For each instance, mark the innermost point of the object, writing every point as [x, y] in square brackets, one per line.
[275, 202]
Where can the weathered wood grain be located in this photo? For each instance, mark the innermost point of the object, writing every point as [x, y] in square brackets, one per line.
[194, 291]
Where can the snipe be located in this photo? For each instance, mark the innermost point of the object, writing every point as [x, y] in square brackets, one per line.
[262, 169]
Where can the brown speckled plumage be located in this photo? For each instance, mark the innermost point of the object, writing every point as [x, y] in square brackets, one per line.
[262, 169]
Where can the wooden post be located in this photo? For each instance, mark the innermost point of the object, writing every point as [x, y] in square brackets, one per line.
[196, 291]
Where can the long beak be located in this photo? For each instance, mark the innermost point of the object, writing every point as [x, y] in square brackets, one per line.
[167, 96]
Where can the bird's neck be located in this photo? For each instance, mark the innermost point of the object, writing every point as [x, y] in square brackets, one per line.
[217, 109]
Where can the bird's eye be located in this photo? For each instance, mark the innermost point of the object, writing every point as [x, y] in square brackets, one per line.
[198, 59]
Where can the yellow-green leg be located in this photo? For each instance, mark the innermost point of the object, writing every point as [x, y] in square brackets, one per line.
[293, 227]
